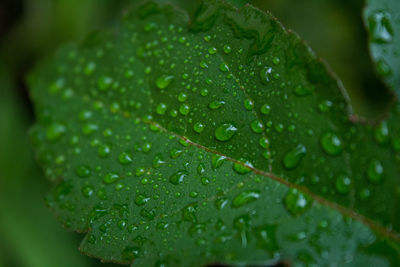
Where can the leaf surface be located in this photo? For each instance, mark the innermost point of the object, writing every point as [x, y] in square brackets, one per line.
[219, 138]
[382, 20]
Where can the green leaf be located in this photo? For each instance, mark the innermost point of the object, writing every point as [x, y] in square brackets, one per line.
[222, 140]
[382, 20]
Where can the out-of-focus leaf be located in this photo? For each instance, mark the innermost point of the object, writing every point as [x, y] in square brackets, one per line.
[382, 20]
[29, 236]
[226, 140]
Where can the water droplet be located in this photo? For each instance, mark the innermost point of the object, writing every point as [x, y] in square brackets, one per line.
[266, 75]
[182, 97]
[198, 127]
[382, 133]
[203, 65]
[164, 81]
[217, 161]
[296, 202]
[129, 253]
[216, 104]
[257, 126]
[55, 131]
[178, 177]
[264, 142]
[375, 171]
[224, 67]
[161, 108]
[265, 109]
[227, 49]
[87, 191]
[83, 171]
[140, 199]
[225, 131]
[104, 83]
[184, 109]
[243, 167]
[293, 157]
[125, 158]
[103, 151]
[110, 178]
[331, 144]
[245, 198]
[325, 106]
[248, 104]
[380, 26]
[343, 184]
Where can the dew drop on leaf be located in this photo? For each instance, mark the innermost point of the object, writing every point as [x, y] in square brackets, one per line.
[164, 81]
[245, 198]
[178, 177]
[331, 144]
[293, 157]
[83, 171]
[225, 131]
[343, 184]
[380, 26]
[296, 202]
[375, 171]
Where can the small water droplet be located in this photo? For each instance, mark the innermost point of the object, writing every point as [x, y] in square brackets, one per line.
[55, 131]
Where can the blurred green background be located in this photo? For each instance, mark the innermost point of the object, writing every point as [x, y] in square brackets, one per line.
[33, 29]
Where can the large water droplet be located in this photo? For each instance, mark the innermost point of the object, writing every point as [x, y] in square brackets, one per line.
[225, 131]
[245, 198]
[331, 143]
[293, 157]
[243, 167]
